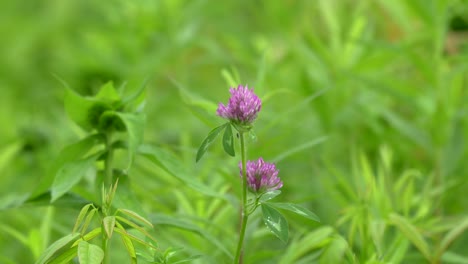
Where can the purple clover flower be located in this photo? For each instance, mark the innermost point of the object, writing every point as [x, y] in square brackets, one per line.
[262, 176]
[242, 108]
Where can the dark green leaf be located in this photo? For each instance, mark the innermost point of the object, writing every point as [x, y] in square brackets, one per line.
[56, 246]
[70, 174]
[208, 140]
[78, 107]
[89, 253]
[298, 209]
[276, 222]
[228, 141]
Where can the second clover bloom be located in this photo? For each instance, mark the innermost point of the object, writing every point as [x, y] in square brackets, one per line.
[262, 176]
[243, 106]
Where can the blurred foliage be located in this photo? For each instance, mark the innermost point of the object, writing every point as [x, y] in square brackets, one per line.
[340, 80]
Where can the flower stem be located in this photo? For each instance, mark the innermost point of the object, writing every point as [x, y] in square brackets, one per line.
[245, 214]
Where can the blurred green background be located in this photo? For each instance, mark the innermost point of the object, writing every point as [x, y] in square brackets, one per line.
[349, 88]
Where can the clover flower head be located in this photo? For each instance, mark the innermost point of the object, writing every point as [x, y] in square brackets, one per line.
[243, 106]
[262, 176]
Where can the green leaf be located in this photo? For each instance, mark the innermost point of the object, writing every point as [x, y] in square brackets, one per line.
[208, 140]
[70, 174]
[70, 153]
[56, 246]
[228, 141]
[410, 232]
[88, 220]
[108, 93]
[65, 257]
[450, 237]
[77, 108]
[269, 195]
[169, 163]
[127, 242]
[81, 216]
[135, 124]
[276, 222]
[186, 224]
[298, 209]
[109, 223]
[135, 216]
[89, 253]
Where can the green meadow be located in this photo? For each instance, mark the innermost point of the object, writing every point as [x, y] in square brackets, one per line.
[364, 112]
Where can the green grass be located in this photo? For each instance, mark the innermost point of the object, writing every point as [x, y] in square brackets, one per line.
[365, 111]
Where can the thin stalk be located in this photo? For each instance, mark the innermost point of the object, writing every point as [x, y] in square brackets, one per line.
[107, 184]
[245, 215]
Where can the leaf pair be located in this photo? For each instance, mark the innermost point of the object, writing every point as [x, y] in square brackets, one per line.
[228, 140]
[277, 223]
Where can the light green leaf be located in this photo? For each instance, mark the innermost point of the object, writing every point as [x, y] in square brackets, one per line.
[208, 140]
[269, 195]
[127, 242]
[70, 174]
[108, 93]
[135, 216]
[109, 224]
[298, 209]
[228, 141]
[89, 253]
[81, 216]
[276, 222]
[410, 232]
[56, 246]
[450, 237]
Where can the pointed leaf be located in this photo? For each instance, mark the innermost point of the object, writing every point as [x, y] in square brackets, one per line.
[108, 93]
[298, 209]
[56, 246]
[89, 253]
[228, 141]
[127, 242]
[269, 195]
[65, 257]
[410, 232]
[208, 140]
[109, 224]
[135, 216]
[70, 174]
[276, 222]
[81, 216]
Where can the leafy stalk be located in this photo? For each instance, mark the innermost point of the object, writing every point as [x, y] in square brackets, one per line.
[107, 182]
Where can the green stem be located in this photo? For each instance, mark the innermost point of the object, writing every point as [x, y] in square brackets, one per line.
[245, 214]
[107, 185]
[108, 161]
